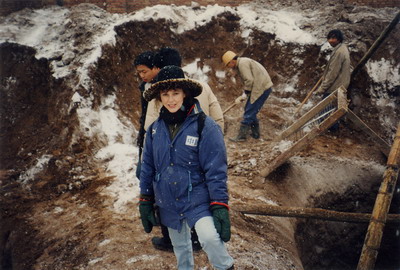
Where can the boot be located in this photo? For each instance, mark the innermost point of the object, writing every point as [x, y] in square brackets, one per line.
[195, 241]
[162, 243]
[255, 131]
[241, 137]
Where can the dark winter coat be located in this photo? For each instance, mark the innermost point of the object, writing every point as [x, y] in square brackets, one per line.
[186, 174]
[142, 118]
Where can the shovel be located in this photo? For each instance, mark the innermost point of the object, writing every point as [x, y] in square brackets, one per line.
[308, 96]
[230, 107]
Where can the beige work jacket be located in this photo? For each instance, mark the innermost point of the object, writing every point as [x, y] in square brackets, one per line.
[255, 77]
[337, 72]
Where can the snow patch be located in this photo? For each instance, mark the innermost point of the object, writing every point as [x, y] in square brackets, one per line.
[94, 261]
[383, 71]
[29, 175]
[58, 210]
[267, 201]
[284, 24]
[104, 242]
[220, 74]
[141, 258]
[282, 146]
[253, 162]
[196, 72]
[119, 154]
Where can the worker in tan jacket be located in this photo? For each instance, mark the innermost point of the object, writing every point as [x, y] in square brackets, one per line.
[337, 72]
[257, 87]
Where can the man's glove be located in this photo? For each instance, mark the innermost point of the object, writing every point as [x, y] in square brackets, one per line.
[222, 223]
[240, 98]
[147, 213]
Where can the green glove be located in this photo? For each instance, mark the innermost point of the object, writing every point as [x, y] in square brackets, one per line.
[221, 221]
[146, 209]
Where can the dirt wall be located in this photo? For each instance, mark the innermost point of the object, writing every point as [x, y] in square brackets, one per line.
[39, 100]
[121, 6]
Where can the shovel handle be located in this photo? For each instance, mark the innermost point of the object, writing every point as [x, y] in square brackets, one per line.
[230, 107]
[308, 96]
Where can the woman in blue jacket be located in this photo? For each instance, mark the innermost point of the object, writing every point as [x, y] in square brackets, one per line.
[184, 173]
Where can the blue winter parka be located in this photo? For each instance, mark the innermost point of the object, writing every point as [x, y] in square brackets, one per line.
[186, 174]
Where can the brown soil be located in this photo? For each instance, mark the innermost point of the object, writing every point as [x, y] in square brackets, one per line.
[62, 221]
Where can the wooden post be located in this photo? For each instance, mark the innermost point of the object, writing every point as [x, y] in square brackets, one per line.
[342, 101]
[314, 213]
[373, 238]
[394, 155]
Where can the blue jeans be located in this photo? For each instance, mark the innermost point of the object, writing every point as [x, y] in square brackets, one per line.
[209, 240]
[251, 110]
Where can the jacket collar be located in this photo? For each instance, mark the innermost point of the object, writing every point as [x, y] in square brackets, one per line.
[196, 108]
[337, 47]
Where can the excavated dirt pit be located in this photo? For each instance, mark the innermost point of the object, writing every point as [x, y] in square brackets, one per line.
[338, 245]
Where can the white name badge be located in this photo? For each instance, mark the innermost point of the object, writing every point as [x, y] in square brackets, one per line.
[191, 141]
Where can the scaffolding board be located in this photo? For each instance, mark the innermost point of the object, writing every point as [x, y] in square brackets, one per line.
[315, 122]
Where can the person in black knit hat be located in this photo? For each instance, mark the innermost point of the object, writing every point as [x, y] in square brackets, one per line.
[147, 71]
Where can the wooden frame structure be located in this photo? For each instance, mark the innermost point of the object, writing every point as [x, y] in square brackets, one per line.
[317, 121]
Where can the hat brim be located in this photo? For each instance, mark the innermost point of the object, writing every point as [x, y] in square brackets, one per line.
[228, 57]
[192, 87]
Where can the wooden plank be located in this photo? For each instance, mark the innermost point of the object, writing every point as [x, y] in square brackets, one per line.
[383, 146]
[374, 234]
[343, 102]
[305, 118]
[380, 212]
[394, 155]
[303, 142]
[313, 213]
